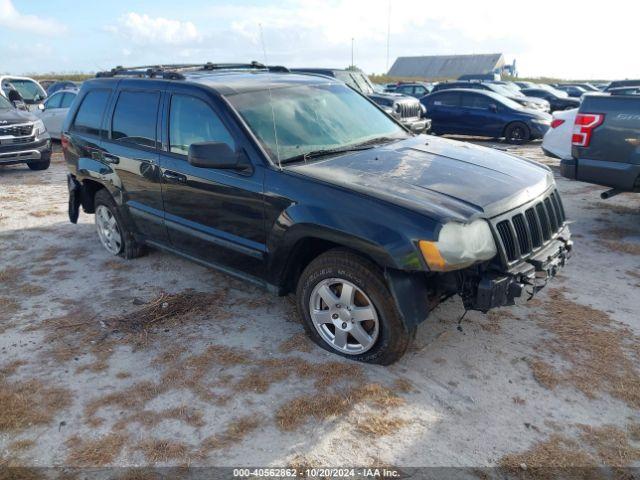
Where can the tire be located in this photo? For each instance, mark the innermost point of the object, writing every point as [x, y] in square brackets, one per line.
[124, 244]
[517, 133]
[332, 272]
[41, 165]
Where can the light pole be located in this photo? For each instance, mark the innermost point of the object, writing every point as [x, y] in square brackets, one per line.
[352, 51]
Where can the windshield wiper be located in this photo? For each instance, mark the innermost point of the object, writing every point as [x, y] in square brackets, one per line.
[368, 145]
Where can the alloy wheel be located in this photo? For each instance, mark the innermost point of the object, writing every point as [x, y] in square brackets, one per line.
[108, 230]
[344, 316]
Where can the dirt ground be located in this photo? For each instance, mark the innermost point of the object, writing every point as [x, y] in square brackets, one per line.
[159, 361]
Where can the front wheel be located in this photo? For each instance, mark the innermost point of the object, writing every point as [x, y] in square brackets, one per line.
[39, 165]
[517, 133]
[347, 309]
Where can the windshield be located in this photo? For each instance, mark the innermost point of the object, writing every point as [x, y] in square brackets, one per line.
[28, 89]
[502, 90]
[312, 117]
[510, 103]
[4, 103]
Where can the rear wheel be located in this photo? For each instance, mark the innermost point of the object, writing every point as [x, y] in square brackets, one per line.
[114, 235]
[517, 133]
[347, 309]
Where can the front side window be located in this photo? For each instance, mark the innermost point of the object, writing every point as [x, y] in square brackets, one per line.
[67, 100]
[477, 101]
[5, 104]
[312, 117]
[134, 118]
[54, 101]
[89, 117]
[193, 121]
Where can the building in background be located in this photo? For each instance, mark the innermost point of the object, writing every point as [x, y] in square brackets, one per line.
[437, 67]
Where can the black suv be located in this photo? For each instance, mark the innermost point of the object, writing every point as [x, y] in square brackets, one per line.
[300, 184]
[23, 138]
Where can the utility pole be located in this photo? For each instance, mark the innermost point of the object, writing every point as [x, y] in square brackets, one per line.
[388, 35]
[352, 51]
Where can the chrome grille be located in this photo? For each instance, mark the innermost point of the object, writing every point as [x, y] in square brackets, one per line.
[523, 232]
[16, 130]
[409, 110]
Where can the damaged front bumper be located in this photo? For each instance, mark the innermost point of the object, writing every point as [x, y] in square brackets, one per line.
[497, 289]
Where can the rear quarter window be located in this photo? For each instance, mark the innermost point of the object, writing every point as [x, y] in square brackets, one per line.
[89, 116]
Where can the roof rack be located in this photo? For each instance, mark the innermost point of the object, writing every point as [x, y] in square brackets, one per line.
[176, 71]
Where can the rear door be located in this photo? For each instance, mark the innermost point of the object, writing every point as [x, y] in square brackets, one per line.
[53, 115]
[213, 215]
[131, 147]
[445, 112]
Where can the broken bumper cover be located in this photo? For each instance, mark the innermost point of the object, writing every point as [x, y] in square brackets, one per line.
[500, 289]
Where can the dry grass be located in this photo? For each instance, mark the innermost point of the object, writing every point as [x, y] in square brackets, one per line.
[545, 460]
[379, 424]
[31, 289]
[95, 452]
[560, 456]
[116, 265]
[601, 355]
[544, 373]
[9, 276]
[150, 418]
[299, 342]
[48, 254]
[494, 320]
[28, 403]
[615, 233]
[403, 385]
[297, 411]
[44, 213]
[165, 450]
[21, 445]
[614, 208]
[235, 432]
[623, 247]
[11, 368]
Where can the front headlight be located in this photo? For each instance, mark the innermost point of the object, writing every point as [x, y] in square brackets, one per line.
[39, 128]
[459, 246]
[388, 110]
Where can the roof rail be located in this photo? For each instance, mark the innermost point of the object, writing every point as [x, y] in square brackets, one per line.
[175, 71]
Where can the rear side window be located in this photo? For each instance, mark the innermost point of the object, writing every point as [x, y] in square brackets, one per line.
[193, 121]
[89, 117]
[134, 118]
[447, 100]
[67, 100]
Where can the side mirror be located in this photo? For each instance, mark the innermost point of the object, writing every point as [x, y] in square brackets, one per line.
[41, 107]
[216, 155]
[493, 107]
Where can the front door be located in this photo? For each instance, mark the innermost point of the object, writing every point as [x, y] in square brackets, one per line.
[213, 215]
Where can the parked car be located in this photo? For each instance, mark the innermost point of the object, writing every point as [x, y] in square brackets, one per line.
[588, 87]
[46, 83]
[54, 110]
[30, 91]
[483, 113]
[529, 102]
[480, 77]
[622, 83]
[415, 89]
[23, 138]
[62, 85]
[404, 108]
[276, 178]
[390, 87]
[572, 90]
[555, 101]
[557, 141]
[527, 85]
[606, 143]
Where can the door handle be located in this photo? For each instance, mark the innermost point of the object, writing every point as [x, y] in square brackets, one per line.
[174, 177]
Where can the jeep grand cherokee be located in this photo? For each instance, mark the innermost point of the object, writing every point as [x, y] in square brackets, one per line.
[278, 179]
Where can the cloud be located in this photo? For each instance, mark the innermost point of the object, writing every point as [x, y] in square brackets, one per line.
[142, 29]
[12, 19]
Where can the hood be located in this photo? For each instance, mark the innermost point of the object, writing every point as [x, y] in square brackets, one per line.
[12, 116]
[390, 98]
[443, 179]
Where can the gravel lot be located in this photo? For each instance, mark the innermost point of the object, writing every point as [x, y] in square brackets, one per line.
[159, 361]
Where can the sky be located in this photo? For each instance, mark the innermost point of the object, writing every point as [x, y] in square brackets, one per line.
[560, 38]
